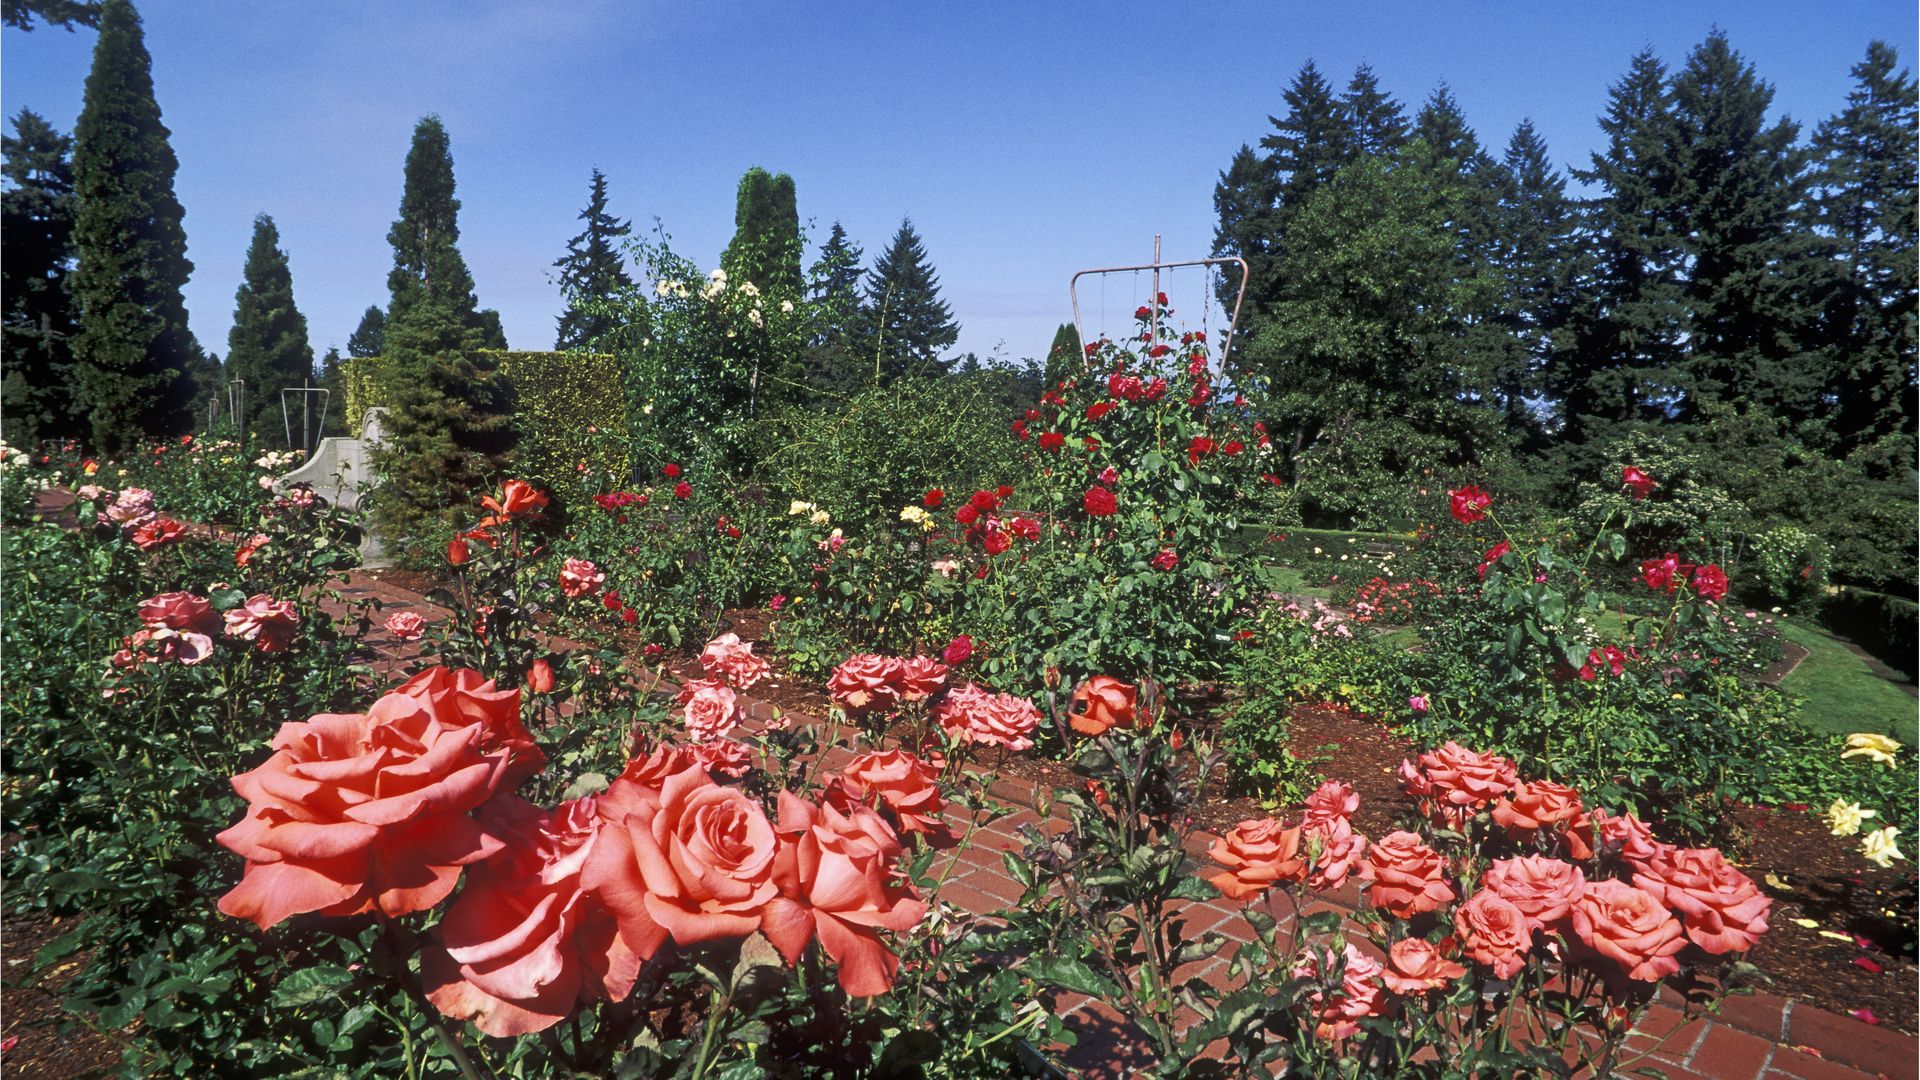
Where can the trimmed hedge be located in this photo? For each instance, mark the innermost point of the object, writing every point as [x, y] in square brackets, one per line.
[560, 399]
[1883, 625]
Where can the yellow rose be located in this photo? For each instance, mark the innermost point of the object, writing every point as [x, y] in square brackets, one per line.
[1845, 817]
[1879, 848]
[1873, 747]
[799, 508]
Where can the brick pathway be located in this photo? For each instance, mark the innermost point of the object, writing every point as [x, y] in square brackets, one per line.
[1758, 1037]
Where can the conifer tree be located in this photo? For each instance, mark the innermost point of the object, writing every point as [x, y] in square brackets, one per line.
[1378, 123]
[836, 359]
[1247, 202]
[446, 425]
[1064, 356]
[332, 380]
[766, 246]
[1534, 260]
[61, 13]
[134, 357]
[592, 271]
[36, 217]
[369, 337]
[1750, 314]
[1864, 199]
[1629, 323]
[267, 346]
[912, 324]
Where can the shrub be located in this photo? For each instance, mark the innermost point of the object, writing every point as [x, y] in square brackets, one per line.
[560, 401]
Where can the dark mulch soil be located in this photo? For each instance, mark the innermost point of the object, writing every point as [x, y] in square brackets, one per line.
[30, 1009]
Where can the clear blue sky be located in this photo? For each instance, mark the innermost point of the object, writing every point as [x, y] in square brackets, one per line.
[1026, 140]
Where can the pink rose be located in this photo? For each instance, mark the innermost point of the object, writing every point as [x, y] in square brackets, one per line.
[1359, 996]
[1333, 799]
[651, 769]
[1630, 927]
[580, 577]
[976, 715]
[180, 611]
[906, 786]
[1415, 965]
[524, 945]
[1408, 877]
[1627, 836]
[726, 757]
[1543, 889]
[406, 625]
[727, 657]
[1337, 850]
[865, 683]
[266, 622]
[840, 881]
[354, 812]
[920, 677]
[1723, 909]
[465, 697]
[710, 708]
[1494, 932]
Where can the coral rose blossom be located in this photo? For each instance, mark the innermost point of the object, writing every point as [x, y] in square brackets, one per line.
[691, 857]
[727, 657]
[1463, 778]
[524, 945]
[517, 498]
[920, 677]
[1101, 704]
[1359, 995]
[710, 708]
[727, 757]
[158, 532]
[1543, 889]
[180, 611]
[354, 812]
[981, 716]
[1337, 851]
[839, 882]
[650, 769]
[464, 696]
[1415, 965]
[580, 577]
[266, 622]
[1494, 932]
[865, 683]
[904, 784]
[1627, 836]
[1723, 909]
[1408, 877]
[406, 625]
[1630, 927]
[1469, 504]
[1099, 502]
[1540, 804]
[1256, 855]
[1331, 800]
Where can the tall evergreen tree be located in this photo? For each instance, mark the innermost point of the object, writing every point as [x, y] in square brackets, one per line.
[592, 271]
[267, 347]
[1064, 356]
[1864, 199]
[1751, 315]
[766, 246]
[1247, 202]
[1629, 323]
[332, 380]
[836, 360]
[1378, 123]
[1534, 260]
[447, 431]
[61, 13]
[134, 356]
[369, 338]
[36, 217]
[912, 324]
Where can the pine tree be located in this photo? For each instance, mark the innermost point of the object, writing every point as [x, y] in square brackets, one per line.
[334, 405]
[369, 337]
[592, 271]
[36, 217]
[267, 347]
[61, 13]
[836, 359]
[766, 245]
[912, 324]
[1750, 313]
[446, 425]
[134, 356]
[1378, 123]
[1629, 322]
[1247, 203]
[1864, 199]
[1533, 259]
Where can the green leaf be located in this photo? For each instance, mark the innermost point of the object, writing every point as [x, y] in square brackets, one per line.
[310, 984]
[1195, 887]
[1071, 973]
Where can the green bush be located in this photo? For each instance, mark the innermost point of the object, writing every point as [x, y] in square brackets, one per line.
[560, 400]
[1882, 625]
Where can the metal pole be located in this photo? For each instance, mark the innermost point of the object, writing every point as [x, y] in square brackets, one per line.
[1153, 302]
[306, 417]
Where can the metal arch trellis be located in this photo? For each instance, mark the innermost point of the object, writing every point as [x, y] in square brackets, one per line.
[1233, 327]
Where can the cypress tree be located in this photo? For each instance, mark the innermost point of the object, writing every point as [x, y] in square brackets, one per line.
[1736, 185]
[766, 245]
[268, 345]
[332, 381]
[369, 338]
[1064, 356]
[912, 324]
[1629, 322]
[447, 431]
[36, 217]
[1864, 199]
[134, 356]
[591, 271]
[1378, 123]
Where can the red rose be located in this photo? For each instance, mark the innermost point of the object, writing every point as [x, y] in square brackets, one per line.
[540, 677]
[1052, 440]
[1200, 447]
[683, 490]
[1723, 909]
[359, 811]
[958, 651]
[1469, 504]
[932, 499]
[996, 542]
[1099, 502]
[1409, 878]
[1710, 582]
[1165, 559]
[1101, 704]
[1256, 855]
[1665, 573]
[268, 623]
[456, 551]
[839, 881]
[1638, 482]
[966, 515]
[1493, 555]
[525, 945]
[1629, 926]
[670, 470]
[517, 497]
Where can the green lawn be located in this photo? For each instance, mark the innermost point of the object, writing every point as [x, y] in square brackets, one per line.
[1843, 695]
